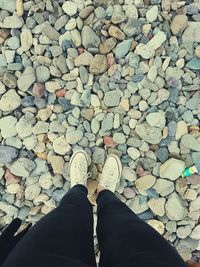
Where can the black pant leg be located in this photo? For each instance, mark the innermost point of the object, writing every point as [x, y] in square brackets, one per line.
[62, 238]
[125, 240]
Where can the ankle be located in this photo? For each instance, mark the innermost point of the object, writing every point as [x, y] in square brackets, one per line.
[100, 189]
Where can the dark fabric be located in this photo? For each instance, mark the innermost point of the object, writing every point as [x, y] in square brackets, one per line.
[64, 237]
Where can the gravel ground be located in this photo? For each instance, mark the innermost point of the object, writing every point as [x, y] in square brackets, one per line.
[108, 76]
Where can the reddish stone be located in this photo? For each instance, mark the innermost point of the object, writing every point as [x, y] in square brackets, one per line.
[11, 178]
[80, 50]
[141, 172]
[108, 141]
[60, 93]
[194, 179]
[38, 90]
[111, 59]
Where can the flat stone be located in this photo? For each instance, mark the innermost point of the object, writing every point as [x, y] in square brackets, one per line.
[157, 40]
[22, 167]
[10, 101]
[150, 134]
[57, 164]
[3, 35]
[133, 153]
[26, 40]
[70, 8]
[99, 156]
[191, 34]
[157, 206]
[40, 127]
[107, 46]
[156, 119]
[163, 187]
[119, 138]
[23, 128]
[50, 32]
[98, 64]
[178, 24]
[145, 182]
[7, 154]
[175, 208]
[187, 245]
[144, 51]
[84, 59]
[138, 204]
[12, 22]
[123, 48]
[46, 181]
[162, 154]
[32, 191]
[193, 64]
[190, 142]
[129, 193]
[8, 5]
[26, 79]
[181, 129]
[172, 169]
[128, 174]
[184, 231]
[84, 13]
[73, 137]
[89, 38]
[112, 98]
[42, 74]
[118, 15]
[117, 33]
[61, 146]
[196, 233]
[152, 14]
[9, 209]
[157, 225]
[7, 126]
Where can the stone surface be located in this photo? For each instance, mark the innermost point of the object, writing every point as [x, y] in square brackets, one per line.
[7, 154]
[26, 79]
[145, 182]
[150, 134]
[10, 101]
[190, 142]
[179, 23]
[175, 208]
[172, 169]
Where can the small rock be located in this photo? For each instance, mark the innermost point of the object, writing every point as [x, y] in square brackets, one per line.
[57, 163]
[145, 182]
[157, 40]
[172, 169]
[19, 8]
[138, 204]
[61, 146]
[112, 98]
[46, 181]
[98, 64]
[118, 15]
[12, 22]
[193, 64]
[175, 208]
[73, 137]
[10, 101]
[26, 40]
[156, 119]
[181, 129]
[26, 79]
[157, 225]
[123, 48]
[144, 51]
[162, 154]
[7, 154]
[38, 90]
[70, 8]
[89, 38]
[7, 126]
[129, 193]
[40, 127]
[157, 206]
[84, 59]
[109, 142]
[22, 167]
[128, 174]
[196, 233]
[152, 14]
[133, 153]
[99, 156]
[107, 46]
[119, 138]
[179, 23]
[149, 134]
[191, 33]
[10, 178]
[32, 191]
[190, 142]
[116, 32]
[164, 187]
[42, 74]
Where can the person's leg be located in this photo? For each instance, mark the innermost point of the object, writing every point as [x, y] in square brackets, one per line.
[124, 239]
[64, 237]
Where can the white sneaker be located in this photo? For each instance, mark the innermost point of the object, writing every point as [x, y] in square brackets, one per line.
[111, 173]
[78, 168]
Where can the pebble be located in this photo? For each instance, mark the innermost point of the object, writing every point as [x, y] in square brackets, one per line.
[196, 233]
[175, 208]
[22, 167]
[119, 138]
[42, 74]
[26, 40]
[129, 193]
[32, 191]
[10, 101]
[26, 79]
[172, 169]
[190, 142]
[116, 32]
[157, 206]
[7, 154]
[152, 14]
[73, 137]
[70, 8]
[61, 146]
[164, 187]
[89, 38]
[156, 119]
[149, 134]
[178, 24]
[181, 130]
[145, 182]
[123, 48]
[157, 225]
[98, 64]
[7, 126]
[112, 98]
[128, 174]
[133, 153]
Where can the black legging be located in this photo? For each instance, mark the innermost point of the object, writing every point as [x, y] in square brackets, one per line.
[64, 237]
